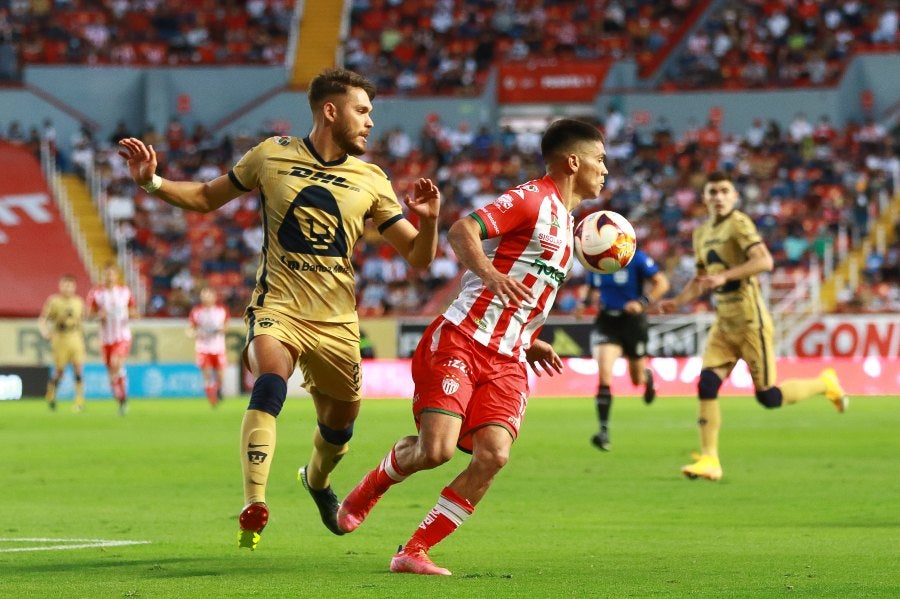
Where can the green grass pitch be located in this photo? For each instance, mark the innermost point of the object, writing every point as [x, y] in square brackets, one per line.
[809, 505]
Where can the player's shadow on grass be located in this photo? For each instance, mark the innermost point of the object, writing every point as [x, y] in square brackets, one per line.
[149, 567]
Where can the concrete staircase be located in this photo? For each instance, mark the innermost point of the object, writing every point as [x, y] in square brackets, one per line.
[318, 39]
[881, 234]
[88, 222]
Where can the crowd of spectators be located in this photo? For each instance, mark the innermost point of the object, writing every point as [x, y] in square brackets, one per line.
[429, 47]
[449, 46]
[782, 43]
[148, 32]
[808, 186]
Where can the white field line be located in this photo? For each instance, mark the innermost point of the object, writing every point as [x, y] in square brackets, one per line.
[62, 544]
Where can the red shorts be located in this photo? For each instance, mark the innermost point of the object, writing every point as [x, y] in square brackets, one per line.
[455, 374]
[215, 361]
[119, 348]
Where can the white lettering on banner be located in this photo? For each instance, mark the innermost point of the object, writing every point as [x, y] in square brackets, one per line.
[10, 386]
[568, 81]
[33, 204]
[849, 336]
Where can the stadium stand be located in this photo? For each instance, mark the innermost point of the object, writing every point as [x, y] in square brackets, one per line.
[813, 188]
[449, 46]
[191, 32]
[782, 43]
[808, 187]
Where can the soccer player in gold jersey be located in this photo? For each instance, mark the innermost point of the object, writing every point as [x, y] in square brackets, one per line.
[61, 322]
[729, 253]
[316, 195]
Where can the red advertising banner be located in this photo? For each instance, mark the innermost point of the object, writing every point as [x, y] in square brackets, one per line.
[849, 336]
[872, 375]
[551, 82]
[35, 247]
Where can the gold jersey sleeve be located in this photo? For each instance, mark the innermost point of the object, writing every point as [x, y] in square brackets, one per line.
[65, 314]
[313, 213]
[719, 246]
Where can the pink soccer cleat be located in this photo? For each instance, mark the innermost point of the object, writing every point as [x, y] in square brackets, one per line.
[416, 562]
[358, 503]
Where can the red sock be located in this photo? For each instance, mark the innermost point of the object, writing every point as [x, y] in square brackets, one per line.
[118, 388]
[387, 473]
[445, 517]
[212, 393]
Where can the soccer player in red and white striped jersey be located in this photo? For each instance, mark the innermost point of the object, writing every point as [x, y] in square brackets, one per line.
[113, 304]
[471, 385]
[207, 326]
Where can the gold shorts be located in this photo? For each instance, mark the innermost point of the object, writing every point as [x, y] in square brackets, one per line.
[327, 352]
[752, 345]
[68, 349]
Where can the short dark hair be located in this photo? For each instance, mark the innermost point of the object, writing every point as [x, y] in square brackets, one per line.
[718, 177]
[563, 134]
[335, 82]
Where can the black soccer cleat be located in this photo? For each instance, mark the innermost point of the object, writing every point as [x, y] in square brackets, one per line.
[601, 440]
[326, 501]
[649, 387]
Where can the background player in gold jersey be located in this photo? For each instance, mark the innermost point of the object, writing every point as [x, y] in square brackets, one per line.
[61, 322]
[729, 254]
[315, 195]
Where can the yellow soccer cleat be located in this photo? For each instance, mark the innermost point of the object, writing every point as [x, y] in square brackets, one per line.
[253, 520]
[706, 467]
[833, 390]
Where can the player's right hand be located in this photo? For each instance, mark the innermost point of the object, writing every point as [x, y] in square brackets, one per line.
[141, 159]
[507, 289]
[667, 306]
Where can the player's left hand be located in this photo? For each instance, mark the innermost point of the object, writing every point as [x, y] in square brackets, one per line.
[710, 282]
[426, 200]
[542, 354]
[141, 159]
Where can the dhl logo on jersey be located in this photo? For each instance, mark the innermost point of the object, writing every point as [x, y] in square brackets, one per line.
[319, 177]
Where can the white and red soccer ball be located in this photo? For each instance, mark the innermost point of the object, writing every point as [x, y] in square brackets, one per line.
[604, 242]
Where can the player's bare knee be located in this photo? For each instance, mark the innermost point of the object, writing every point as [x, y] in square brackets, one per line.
[435, 454]
[269, 393]
[708, 385]
[770, 398]
[491, 459]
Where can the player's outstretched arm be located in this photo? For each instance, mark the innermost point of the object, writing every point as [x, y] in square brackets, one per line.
[691, 291]
[190, 195]
[465, 239]
[418, 247]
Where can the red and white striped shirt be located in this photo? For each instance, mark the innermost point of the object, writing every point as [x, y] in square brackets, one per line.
[528, 235]
[209, 325]
[113, 304]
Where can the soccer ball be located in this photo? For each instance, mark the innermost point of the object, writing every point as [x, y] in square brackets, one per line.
[604, 242]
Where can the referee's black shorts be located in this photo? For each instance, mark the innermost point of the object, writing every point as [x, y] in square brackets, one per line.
[628, 331]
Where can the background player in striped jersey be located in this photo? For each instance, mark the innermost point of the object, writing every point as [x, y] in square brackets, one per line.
[61, 322]
[114, 306]
[622, 328]
[316, 196]
[729, 253]
[206, 324]
[471, 385]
